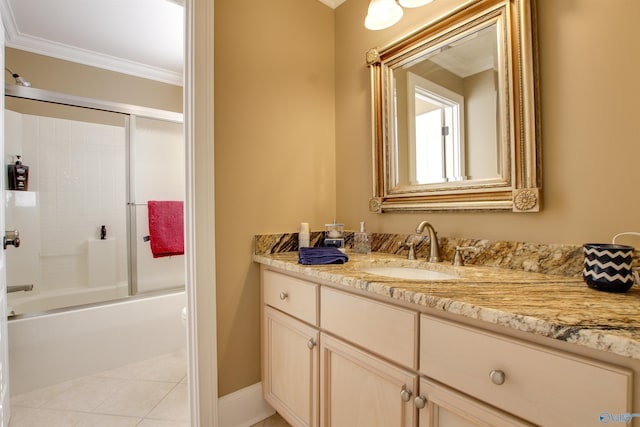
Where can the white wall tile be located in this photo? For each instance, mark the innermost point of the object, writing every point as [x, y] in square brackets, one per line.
[78, 171]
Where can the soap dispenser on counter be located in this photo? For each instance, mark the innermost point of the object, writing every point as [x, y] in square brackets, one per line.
[361, 241]
[18, 176]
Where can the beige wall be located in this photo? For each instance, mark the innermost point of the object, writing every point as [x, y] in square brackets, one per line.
[294, 145]
[590, 96]
[45, 72]
[275, 131]
[274, 152]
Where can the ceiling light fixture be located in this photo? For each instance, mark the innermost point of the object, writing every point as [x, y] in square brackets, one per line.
[414, 3]
[384, 13]
[19, 80]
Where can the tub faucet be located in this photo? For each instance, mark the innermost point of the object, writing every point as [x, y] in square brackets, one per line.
[434, 250]
[18, 288]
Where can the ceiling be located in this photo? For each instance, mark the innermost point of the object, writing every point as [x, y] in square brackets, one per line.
[333, 3]
[144, 38]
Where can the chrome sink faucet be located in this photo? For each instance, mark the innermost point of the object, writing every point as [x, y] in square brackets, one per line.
[434, 250]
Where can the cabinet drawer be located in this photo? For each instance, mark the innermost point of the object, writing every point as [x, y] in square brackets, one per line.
[384, 329]
[293, 296]
[541, 385]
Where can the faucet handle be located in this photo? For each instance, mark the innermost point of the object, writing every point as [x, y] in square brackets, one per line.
[458, 260]
[411, 246]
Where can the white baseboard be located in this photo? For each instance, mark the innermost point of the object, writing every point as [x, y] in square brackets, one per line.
[243, 408]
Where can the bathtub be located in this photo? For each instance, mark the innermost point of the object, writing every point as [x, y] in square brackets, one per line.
[59, 346]
[38, 302]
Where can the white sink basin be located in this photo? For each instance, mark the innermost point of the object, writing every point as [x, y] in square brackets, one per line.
[409, 273]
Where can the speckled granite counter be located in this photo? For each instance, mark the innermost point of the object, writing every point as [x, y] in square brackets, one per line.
[555, 306]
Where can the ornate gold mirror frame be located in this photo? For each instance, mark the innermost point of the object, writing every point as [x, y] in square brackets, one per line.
[518, 185]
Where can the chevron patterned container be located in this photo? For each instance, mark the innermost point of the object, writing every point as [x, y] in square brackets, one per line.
[607, 267]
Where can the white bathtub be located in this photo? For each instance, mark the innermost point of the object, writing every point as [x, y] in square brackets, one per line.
[56, 347]
[38, 302]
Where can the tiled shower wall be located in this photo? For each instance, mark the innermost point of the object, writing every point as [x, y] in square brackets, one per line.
[77, 182]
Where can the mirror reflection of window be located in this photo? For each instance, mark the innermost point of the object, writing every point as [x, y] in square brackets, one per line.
[437, 133]
[455, 87]
[429, 148]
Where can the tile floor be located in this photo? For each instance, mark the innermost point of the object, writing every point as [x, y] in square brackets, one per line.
[151, 393]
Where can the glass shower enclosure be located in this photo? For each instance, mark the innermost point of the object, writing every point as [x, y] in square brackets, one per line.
[83, 219]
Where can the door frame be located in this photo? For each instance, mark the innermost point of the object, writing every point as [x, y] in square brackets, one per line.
[5, 384]
[200, 212]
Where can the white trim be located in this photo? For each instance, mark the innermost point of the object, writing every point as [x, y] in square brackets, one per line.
[190, 218]
[244, 407]
[92, 58]
[5, 383]
[200, 213]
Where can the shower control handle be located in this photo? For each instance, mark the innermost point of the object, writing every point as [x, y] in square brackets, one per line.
[11, 237]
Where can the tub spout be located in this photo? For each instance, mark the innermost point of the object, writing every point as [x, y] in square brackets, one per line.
[18, 288]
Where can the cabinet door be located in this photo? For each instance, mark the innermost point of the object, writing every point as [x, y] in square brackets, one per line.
[290, 368]
[442, 407]
[358, 389]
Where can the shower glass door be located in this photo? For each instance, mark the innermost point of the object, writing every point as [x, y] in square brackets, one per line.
[76, 191]
[83, 219]
[157, 158]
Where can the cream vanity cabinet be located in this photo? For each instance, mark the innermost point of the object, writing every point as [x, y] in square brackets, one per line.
[538, 384]
[363, 348]
[440, 406]
[290, 347]
[340, 359]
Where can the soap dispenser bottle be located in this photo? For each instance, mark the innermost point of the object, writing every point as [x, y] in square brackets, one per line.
[18, 175]
[361, 241]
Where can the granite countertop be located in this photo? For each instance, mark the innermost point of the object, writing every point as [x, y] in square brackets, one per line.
[555, 306]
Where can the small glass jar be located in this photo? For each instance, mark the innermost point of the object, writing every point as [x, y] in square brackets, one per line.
[334, 235]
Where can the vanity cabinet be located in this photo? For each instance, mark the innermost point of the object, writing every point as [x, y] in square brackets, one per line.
[336, 358]
[359, 389]
[541, 385]
[440, 406]
[290, 348]
[358, 385]
[384, 329]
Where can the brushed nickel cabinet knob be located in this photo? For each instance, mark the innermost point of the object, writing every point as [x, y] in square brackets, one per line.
[497, 377]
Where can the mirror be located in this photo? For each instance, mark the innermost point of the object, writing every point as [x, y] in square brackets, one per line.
[454, 113]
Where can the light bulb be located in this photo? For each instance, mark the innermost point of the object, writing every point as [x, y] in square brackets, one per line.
[382, 14]
[414, 3]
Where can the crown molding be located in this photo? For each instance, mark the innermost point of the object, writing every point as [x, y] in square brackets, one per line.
[94, 59]
[17, 40]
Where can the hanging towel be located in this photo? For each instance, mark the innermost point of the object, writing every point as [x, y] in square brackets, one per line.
[316, 256]
[166, 228]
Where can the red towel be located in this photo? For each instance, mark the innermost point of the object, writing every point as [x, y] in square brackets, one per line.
[166, 228]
